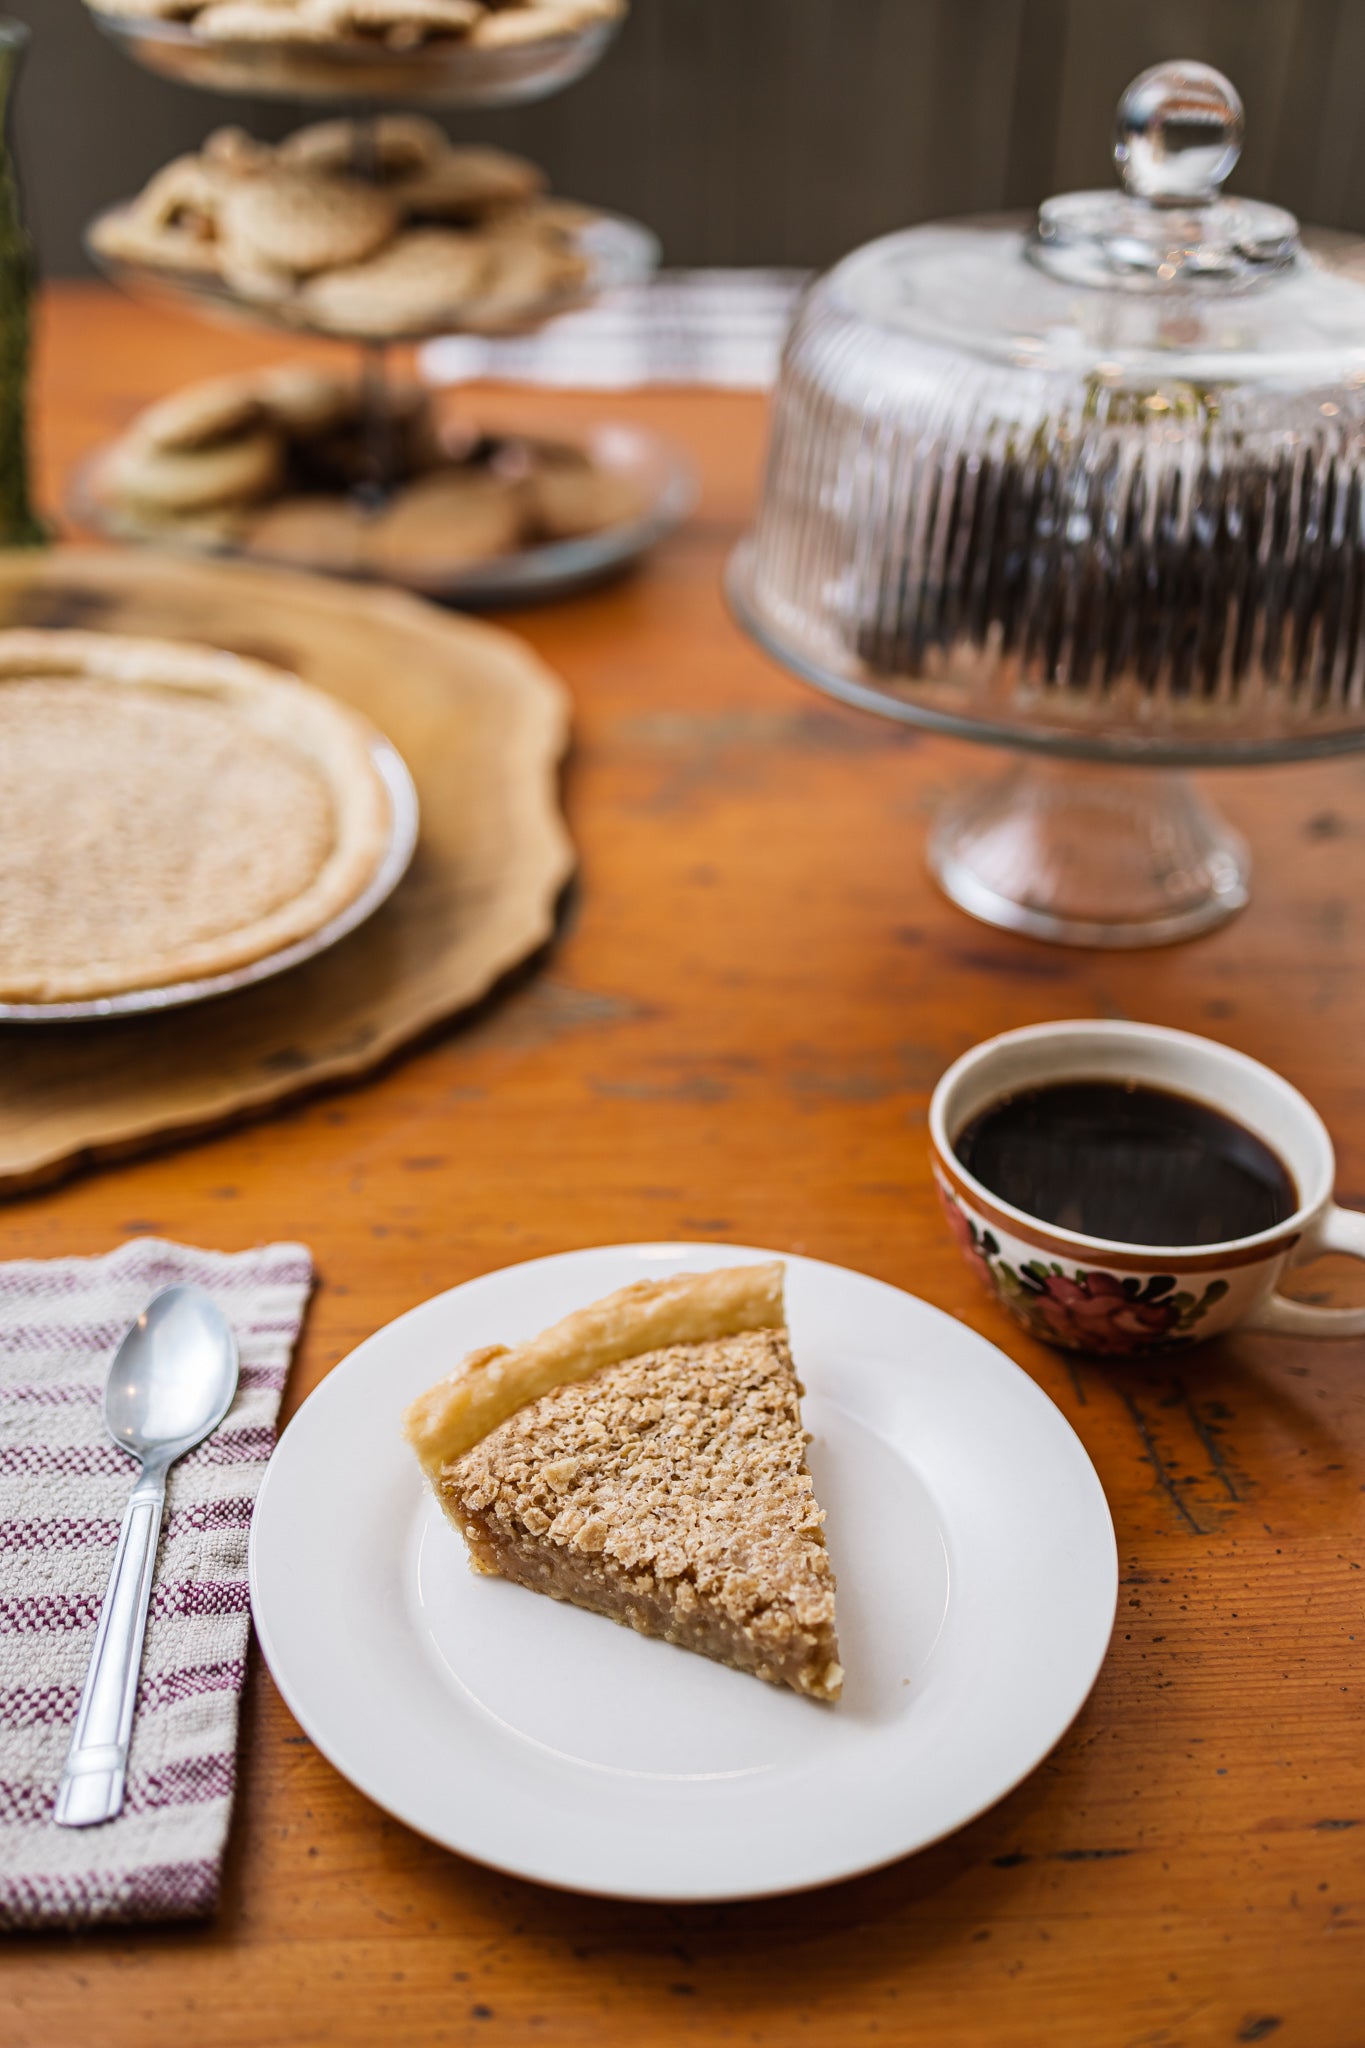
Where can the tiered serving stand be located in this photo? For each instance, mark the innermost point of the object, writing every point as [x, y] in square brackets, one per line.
[619, 252]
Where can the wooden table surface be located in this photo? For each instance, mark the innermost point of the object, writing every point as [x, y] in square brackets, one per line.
[735, 1035]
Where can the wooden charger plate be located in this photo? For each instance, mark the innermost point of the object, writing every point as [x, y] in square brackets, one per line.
[482, 724]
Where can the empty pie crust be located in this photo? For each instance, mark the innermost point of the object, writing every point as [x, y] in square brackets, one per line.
[645, 1459]
[169, 813]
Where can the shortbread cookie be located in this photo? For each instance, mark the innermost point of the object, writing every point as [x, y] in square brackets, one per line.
[398, 143]
[424, 278]
[402, 24]
[523, 277]
[327, 533]
[510, 26]
[568, 498]
[465, 184]
[447, 521]
[301, 221]
[218, 410]
[125, 236]
[231, 152]
[236, 472]
[256, 21]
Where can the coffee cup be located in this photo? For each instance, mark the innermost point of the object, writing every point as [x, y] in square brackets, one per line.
[1108, 1296]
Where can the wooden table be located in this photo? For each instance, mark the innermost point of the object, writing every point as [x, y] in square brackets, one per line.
[735, 1036]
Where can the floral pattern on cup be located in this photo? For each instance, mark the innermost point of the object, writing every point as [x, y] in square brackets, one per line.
[1084, 1309]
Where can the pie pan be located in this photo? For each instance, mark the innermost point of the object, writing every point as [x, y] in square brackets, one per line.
[402, 840]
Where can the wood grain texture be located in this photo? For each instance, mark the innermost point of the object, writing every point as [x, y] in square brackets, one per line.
[752, 994]
[483, 725]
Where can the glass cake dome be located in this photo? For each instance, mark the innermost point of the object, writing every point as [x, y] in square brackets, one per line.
[1091, 485]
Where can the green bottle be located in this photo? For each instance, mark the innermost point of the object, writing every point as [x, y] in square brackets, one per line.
[19, 527]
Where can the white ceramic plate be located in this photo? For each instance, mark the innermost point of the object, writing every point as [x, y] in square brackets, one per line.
[977, 1586]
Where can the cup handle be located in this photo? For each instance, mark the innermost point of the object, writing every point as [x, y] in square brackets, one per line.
[1339, 1230]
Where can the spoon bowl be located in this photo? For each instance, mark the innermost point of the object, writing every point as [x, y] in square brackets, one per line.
[173, 1377]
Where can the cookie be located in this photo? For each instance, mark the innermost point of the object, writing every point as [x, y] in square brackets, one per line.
[208, 531]
[447, 521]
[465, 184]
[300, 220]
[525, 277]
[201, 415]
[400, 144]
[150, 10]
[125, 236]
[326, 533]
[256, 21]
[232, 153]
[566, 499]
[402, 24]
[239, 471]
[510, 26]
[420, 282]
[304, 403]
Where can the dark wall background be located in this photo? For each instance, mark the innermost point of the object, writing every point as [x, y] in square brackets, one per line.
[785, 131]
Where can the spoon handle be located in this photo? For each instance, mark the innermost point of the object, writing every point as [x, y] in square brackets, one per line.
[91, 1789]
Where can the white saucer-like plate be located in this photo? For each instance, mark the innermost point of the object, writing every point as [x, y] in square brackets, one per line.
[977, 1586]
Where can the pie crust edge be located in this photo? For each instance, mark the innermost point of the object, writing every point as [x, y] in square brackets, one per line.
[491, 1384]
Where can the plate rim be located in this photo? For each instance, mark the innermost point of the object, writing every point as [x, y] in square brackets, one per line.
[667, 1248]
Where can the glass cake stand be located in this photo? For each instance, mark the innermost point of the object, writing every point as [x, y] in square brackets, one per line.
[450, 74]
[1091, 487]
[1104, 841]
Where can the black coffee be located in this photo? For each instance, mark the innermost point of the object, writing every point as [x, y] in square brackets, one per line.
[1132, 1163]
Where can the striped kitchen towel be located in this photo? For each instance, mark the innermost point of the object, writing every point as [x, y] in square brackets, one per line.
[63, 1486]
[716, 327]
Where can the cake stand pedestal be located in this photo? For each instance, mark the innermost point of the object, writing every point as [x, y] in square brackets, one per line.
[1090, 856]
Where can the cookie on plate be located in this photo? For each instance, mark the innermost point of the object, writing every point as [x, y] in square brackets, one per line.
[230, 472]
[296, 220]
[447, 521]
[395, 143]
[424, 277]
[468, 183]
[218, 410]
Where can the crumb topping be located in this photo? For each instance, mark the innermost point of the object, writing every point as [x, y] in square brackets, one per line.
[682, 1471]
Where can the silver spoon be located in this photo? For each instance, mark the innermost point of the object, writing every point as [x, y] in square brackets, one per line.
[170, 1385]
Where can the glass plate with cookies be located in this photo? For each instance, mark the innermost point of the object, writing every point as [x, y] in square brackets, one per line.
[373, 230]
[452, 53]
[299, 466]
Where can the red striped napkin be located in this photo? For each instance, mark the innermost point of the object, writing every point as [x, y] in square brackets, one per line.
[63, 1486]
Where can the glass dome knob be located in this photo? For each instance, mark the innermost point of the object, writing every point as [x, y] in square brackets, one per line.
[1178, 134]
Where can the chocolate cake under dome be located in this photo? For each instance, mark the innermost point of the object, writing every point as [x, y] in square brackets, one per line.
[1091, 484]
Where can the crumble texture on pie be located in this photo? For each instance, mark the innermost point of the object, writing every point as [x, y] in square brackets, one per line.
[168, 812]
[654, 1473]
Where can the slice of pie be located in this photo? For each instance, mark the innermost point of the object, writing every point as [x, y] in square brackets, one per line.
[645, 1459]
